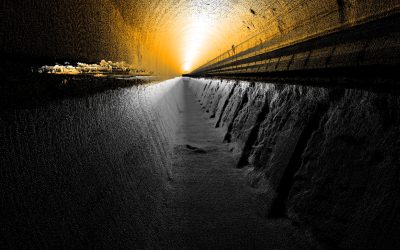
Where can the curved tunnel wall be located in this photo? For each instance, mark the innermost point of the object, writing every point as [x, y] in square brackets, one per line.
[88, 172]
[325, 158]
[158, 35]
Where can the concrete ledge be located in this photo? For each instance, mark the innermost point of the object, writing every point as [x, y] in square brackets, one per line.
[372, 43]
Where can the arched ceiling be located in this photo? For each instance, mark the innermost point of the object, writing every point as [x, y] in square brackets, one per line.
[186, 33]
[168, 36]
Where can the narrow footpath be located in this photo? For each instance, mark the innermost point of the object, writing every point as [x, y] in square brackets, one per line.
[210, 204]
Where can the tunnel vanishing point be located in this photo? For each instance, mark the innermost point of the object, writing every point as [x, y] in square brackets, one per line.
[191, 124]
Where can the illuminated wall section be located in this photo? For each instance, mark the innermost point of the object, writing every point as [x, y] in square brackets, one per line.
[168, 37]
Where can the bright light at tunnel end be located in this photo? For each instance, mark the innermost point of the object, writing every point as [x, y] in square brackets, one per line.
[193, 39]
[186, 67]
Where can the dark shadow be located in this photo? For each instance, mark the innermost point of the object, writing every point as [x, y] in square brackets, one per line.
[278, 208]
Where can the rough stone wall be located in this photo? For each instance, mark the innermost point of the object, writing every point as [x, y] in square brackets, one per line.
[88, 172]
[325, 158]
[77, 30]
[299, 19]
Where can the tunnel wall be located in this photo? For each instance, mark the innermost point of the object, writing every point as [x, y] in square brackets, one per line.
[287, 38]
[325, 158]
[46, 32]
[90, 30]
[73, 30]
[88, 172]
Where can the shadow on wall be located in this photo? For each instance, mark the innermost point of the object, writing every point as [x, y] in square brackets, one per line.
[325, 158]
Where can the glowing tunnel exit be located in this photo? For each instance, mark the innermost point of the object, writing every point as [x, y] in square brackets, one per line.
[199, 31]
[194, 40]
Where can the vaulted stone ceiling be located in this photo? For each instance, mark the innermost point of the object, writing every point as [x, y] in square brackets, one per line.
[168, 36]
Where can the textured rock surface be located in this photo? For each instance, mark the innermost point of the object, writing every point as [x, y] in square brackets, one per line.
[210, 205]
[134, 30]
[325, 158]
[88, 172]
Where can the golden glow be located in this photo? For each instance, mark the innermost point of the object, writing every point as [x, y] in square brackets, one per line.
[186, 67]
[193, 39]
[176, 37]
[169, 37]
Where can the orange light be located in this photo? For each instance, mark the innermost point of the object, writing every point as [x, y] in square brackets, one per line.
[186, 67]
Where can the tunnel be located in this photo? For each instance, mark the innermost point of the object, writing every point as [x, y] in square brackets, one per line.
[194, 124]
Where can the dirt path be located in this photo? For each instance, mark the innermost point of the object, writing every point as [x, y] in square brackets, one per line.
[210, 206]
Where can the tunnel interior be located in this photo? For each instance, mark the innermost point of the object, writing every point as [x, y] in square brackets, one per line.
[193, 124]
[171, 37]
